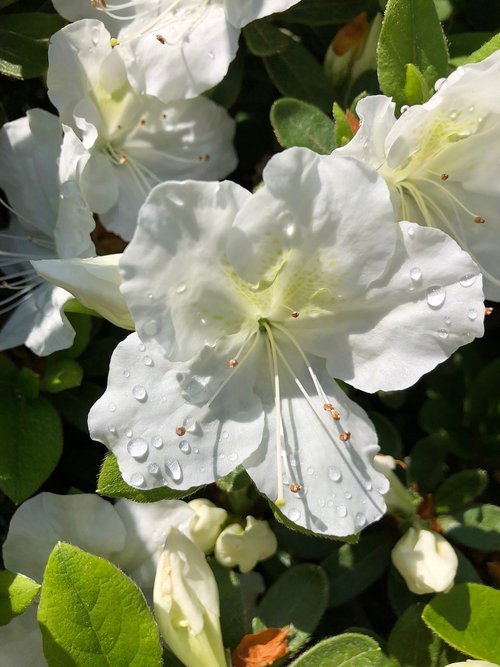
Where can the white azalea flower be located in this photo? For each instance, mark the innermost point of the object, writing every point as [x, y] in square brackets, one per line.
[173, 49]
[426, 561]
[247, 305]
[135, 140]
[440, 160]
[245, 547]
[40, 172]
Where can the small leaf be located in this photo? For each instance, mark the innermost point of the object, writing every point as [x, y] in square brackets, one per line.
[460, 489]
[349, 650]
[416, 88]
[112, 484]
[464, 617]
[17, 592]
[297, 123]
[263, 39]
[92, 615]
[61, 374]
[477, 527]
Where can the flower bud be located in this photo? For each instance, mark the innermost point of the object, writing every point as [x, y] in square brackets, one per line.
[473, 663]
[353, 50]
[207, 523]
[245, 546]
[186, 603]
[427, 562]
[399, 499]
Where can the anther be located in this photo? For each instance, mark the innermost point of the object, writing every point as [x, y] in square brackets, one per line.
[344, 437]
[488, 310]
[335, 415]
[295, 488]
[444, 177]
[294, 313]
[232, 363]
[204, 158]
[328, 407]
[180, 430]
[142, 121]
[161, 39]
[96, 3]
[114, 42]
[280, 502]
[479, 220]
[123, 159]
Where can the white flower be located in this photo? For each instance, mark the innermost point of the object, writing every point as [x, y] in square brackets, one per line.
[245, 547]
[206, 525]
[440, 160]
[426, 561]
[173, 49]
[247, 305]
[135, 140]
[40, 172]
[186, 603]
[399, 499]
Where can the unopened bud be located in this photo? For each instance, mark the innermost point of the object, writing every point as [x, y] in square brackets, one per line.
[207, 523]
[245, 547]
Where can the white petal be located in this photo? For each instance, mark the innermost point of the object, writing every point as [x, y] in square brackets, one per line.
[182, 232]
[99, 184]
[85, 520]
[95, 282]
[148, 398]
[240, 13]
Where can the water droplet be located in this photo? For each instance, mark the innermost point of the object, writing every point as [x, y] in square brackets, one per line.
[150, 328]
[137, 479]
[157, 441]
[321, 502]
[334, 474]
[150, 296]
[404, 109]
[137, 448]
[341, 511]
[184, 446]
[112, 429]
[411, 231]
[211, 55]
[472, 314]
[95, 36]
[128, 432]
[330, 503]
[435, 296]
[415, 274]
[360, 519]
[196, 450]
[472, 108]
[126, 374]
[181, 288]
[173, 469]
[142, 347]
[148, 361]
[289, 229]
[225, 435]
[442, 333]
[348, 495]
[368, 485]
[139, 392]
[453, 115]
[153, 468]
[233, 456]
[294, 514]
[468, 280]
[310, 470]
[189, 423]
[447, 321]
[111, 407]
[439, 83]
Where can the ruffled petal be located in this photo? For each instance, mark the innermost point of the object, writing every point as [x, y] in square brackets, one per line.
[240, 13]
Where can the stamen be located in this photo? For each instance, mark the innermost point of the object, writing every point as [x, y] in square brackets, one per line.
[123, 159]
[444, 177]
[180, 431]
[294, 314]
[488, 310]
[295, 488]
[479, 220]
[161, 39]
[232, 363]
[344, 437]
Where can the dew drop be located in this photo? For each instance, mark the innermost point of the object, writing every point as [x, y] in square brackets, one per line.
[137, 448]
[111, 428]
[211, 55]
[348, 495]
[330, 503]
[310, 470]
[147, 361]
[181, 288]
[126, 374]
[173, 469]
[289, 229]
[225, 435]
[472, 108]
[439, 83]
[294, 514]
[196, 450]
[111, 407]
[360, 519]
[472, 314]
[157, 441]
[415, 274]
[142, 347]
[153, 468]
[453, 115]
[368, 485]
[435, 296]
[150, 328]
[404, 109]
[128, 432]
[137, 479]
[468, 280]
[321, 502]
[150, 296]
[184, 446]
[139, 392]
[188, 423]
[233, 456]
[442, 333]
[334, 474]
[341, 511]
[95, 36]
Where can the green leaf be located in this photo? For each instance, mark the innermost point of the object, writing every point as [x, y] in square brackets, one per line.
[17, 592]
[477, 527]
[296, 73]
[460, 489]
[411, 34]
[297, 123]
[32, 441]
[35, 25]
[22, 57]
[352, 568]
[61, 374]
[387, 434]
[74, 404]
[263, 39]
[416, 89]
[343, 131]
[299, 598]
[82, 324]
[347, 650]
[480, 54]
[444, 9]
[323, 12]
[112, 484]
[232, 613]
[467, 618]
[92, 615]
[27, 384]
[427, 459]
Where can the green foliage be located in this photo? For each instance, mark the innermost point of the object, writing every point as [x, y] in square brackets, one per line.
[263, 39]
[411, 35]
[297, 123]
[465, 618]
[481, 53]
[460, 489]
[348, 650]
[231, 604]
[416, 89]
[92, 615]
[61, 374]
[17, 592]
[477, 526]
[343, 131]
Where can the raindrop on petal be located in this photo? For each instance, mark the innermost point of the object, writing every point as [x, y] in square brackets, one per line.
[137, 448]
[334, 474]
[173, 469]
[294, 514]
[442, 333]
[184, 446]
[360, 519]
[472, 314]
[468, 280]
[153, 468]
[415, 274]
[147, 361]
[341, 511]
[157, 442]
[435, 296]
[139, 393]
[137, 479]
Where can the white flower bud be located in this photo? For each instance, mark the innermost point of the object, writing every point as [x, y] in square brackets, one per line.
[245, 546]
[186, 603]
[399, 499]
[206, 525]
[427, 562]
[473, 663]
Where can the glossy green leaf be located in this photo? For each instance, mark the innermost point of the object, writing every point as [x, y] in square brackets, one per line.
[31, 437]
[263, 39]
[323, 12]
[297, 123]
[21, 57]
[112, 484]
[477, 527]
[347, 650]
[92, 615]
[460, 489]
[17, 592]
[467, 618]
[411, 34]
